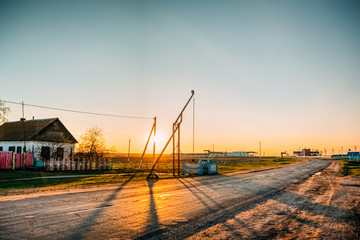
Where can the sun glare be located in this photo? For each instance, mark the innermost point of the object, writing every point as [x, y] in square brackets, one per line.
[159, 140]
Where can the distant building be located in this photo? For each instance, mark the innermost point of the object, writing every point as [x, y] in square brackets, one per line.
[240, 154]
[306, 152]
[44, 137]
[349, 155]
[353, 153]
[215, 154]
[230, 154]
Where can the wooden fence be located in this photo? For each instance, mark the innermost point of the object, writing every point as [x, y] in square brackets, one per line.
[12, 161]
[77, 165]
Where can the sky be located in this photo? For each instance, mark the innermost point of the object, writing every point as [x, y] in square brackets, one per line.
[283, 73]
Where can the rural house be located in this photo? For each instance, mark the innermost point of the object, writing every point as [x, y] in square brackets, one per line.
[45, 138]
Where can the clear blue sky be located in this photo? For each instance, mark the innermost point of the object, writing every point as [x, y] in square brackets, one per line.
[286, 73]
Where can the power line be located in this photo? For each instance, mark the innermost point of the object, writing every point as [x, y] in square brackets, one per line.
[76, 111]
[126, 128]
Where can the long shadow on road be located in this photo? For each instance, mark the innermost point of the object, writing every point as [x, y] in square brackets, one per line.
[215, 212]
[152, 222]
[79, 232]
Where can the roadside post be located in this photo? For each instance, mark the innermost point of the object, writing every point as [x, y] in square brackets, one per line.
[24, 160]
[51, 164]
[13, 162]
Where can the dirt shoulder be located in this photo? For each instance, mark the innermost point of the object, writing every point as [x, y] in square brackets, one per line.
[326, 206]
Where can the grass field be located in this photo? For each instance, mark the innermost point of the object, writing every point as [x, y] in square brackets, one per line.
[256, 165]
[14, 180]
[351, 168]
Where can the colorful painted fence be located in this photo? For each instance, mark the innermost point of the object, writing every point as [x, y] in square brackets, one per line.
[10, 160]
[6, 160]
[77, 165]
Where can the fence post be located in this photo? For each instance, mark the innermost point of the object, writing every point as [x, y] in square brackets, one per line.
[24, 160]
[51, 164]
[13, 162]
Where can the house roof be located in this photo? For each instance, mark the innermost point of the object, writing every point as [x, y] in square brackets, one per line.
[36, 130]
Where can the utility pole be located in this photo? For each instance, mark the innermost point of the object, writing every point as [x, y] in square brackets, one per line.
[23, 123]
[129, 150]
[22, 105]
[193, 127]
[260, 148]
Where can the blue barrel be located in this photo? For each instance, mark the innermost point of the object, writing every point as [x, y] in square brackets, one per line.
[193, 168]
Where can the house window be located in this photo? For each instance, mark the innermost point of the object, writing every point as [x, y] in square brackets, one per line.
[1, 149]
[18, 150]
[45, 153]
[60, 152]
[12, 149]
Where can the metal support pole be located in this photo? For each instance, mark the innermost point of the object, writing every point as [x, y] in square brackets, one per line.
[173, 139]
[154, 140]
[193, 128]
[179, 149]
[153, 129]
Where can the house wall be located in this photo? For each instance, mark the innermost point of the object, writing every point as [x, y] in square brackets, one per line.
[16, 144]
[35, 147]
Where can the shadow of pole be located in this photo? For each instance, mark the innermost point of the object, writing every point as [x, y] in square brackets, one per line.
[153, 219]
[219, 210]
[258, 192]
[152, 228]
[80, 232]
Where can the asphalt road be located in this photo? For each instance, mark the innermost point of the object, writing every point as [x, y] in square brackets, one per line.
[165, 209]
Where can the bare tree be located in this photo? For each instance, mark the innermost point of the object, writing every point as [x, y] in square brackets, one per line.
[92, 145]
[3, 112]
